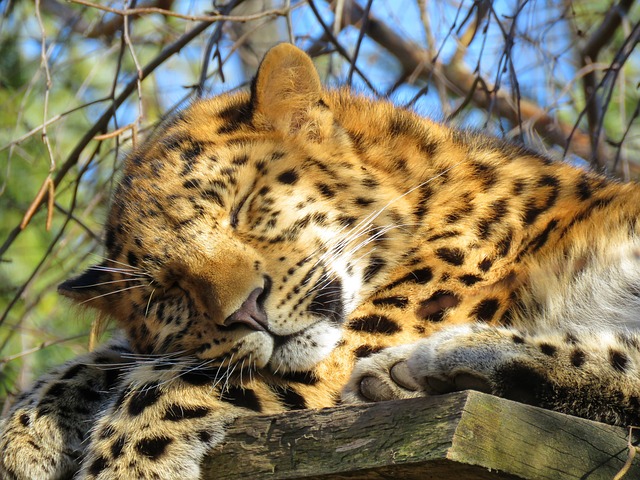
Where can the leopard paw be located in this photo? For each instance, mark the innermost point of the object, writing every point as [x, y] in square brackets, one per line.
[456, 359]
[460, 358]
[382, 376]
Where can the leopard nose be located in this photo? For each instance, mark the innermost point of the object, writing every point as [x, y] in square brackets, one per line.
[251, 313]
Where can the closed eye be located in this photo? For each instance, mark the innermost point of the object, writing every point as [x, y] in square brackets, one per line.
[233, 218]
[170, 280]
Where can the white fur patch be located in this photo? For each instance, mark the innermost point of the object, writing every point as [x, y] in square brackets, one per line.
[301, 352]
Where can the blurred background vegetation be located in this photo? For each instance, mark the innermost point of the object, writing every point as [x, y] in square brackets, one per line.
[82, 81]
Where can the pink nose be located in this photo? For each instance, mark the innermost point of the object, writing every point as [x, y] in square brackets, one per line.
[251, 313]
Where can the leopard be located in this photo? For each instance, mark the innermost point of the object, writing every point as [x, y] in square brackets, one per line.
[297, 247]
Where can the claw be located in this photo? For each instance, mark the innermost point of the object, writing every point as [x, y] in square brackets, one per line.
[402, 376]
[466, 381]
[438, 386]
[375, 390]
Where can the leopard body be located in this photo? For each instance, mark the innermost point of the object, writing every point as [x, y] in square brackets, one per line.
[296, 247]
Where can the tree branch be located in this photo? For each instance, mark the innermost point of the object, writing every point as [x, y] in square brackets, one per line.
[127, 12]
[461, 82]
[603, 34]
[589, 55]
[105, 28]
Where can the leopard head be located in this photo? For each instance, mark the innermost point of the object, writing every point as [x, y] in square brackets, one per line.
[244, 229]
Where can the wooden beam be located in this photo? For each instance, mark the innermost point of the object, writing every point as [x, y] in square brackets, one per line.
[466, 435]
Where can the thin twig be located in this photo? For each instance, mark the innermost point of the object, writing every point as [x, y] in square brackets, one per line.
[94, 236]
[32, 132]
[431, 49]
[276, 12]
[588, 55]
[44, 189]
[105, 28]
[44, 63]
[607, 28]
[51, 246]
[115, 133]
[213, 40]
[460, 81]
[48, 184]
[632, 454]
[290, 35]
[339, 48]
[53, 119]
[42, 346]
[363, 31]
[127, 41]
[611, 74]
[620, 143]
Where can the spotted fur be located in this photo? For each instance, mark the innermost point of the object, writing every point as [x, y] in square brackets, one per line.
[261, 245]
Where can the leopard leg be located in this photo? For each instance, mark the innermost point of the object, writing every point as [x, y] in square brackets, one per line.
[163, 424]
[595, 375]
[42, 436]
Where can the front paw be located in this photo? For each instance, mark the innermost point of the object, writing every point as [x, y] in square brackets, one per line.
[459, 358]
[382, 376]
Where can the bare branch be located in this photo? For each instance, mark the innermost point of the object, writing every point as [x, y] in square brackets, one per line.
[363, 30]
[105, 28]
[605, 31]
[340, 49]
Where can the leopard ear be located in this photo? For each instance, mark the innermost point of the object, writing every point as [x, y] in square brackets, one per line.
[87, 288]
[287, 91]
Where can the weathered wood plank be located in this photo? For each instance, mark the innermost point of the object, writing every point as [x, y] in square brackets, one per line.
[467, 435]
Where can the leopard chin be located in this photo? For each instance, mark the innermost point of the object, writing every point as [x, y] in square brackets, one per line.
[304, 350]
[297, 352]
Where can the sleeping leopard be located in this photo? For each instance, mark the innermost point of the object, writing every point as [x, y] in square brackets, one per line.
[294, 247]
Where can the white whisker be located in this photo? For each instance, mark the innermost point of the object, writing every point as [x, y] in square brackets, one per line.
[136, 279]
[111, 293]
[146, 311]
